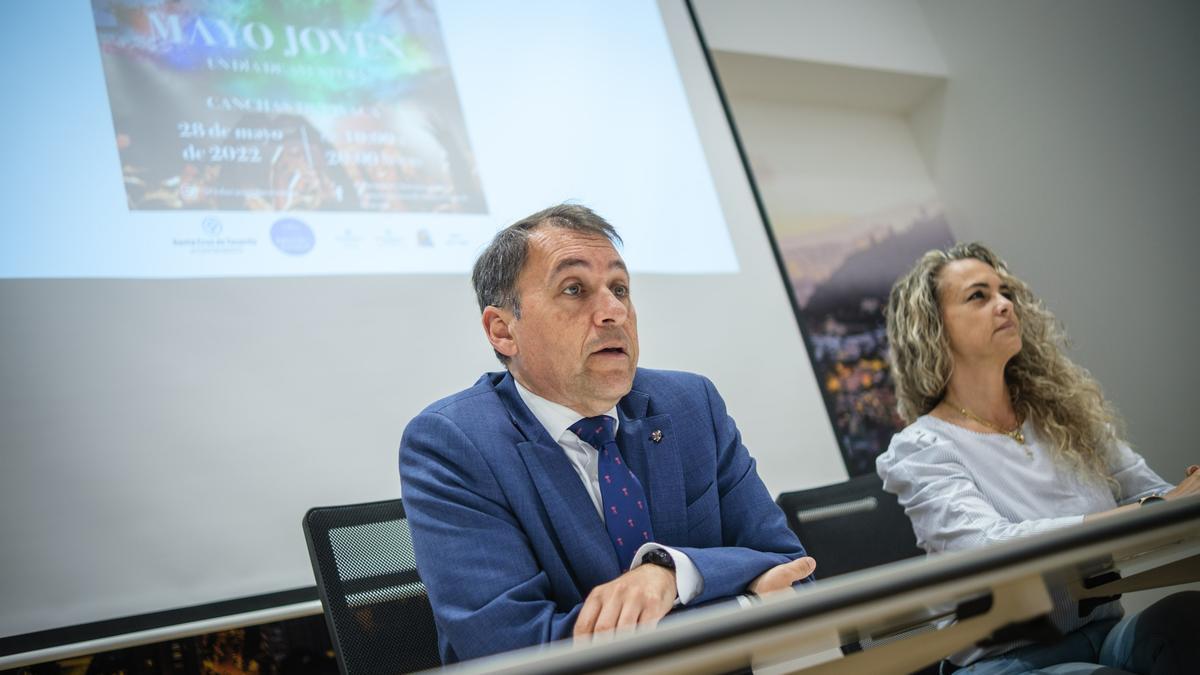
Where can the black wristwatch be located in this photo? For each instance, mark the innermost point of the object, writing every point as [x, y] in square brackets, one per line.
[658, 557]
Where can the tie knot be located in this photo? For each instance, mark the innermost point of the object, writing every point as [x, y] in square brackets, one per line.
[595, 431]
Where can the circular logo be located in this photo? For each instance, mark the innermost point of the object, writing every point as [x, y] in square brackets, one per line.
[211, 226]
[292, 236]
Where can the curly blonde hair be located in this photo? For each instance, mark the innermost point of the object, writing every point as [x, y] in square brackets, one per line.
[1062, 399]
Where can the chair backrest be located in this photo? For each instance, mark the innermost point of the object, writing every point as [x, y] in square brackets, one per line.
[378, 613]
[850, 526]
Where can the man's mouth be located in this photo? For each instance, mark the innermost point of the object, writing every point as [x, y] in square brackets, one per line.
[611, 351]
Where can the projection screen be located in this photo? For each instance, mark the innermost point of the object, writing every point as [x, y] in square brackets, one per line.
[234, 263]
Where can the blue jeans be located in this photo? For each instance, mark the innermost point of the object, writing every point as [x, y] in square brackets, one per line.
[1163, 639]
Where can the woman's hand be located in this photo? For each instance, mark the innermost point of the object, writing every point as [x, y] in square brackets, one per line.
[1188, 486]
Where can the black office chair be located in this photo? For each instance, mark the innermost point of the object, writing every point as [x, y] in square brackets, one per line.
[850, 526]
[375, 605]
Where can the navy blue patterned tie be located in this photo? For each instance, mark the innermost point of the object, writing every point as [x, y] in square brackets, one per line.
[626, 513]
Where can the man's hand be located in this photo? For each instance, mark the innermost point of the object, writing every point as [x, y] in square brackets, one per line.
[782, 576]
[640, 596]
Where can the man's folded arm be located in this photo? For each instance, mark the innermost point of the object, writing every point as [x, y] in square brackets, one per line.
[754, 530]
[488, 591]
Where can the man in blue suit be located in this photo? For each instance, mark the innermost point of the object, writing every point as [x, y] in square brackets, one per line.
[520, 532]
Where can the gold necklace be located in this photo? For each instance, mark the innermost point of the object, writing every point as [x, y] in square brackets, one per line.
[1016, 434]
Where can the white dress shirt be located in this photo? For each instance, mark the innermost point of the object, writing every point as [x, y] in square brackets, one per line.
[557, 419]
[963, 489]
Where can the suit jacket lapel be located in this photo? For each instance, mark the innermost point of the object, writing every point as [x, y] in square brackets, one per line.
[569, 510]
[657, 464]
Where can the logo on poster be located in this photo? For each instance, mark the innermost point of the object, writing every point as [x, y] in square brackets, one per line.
[212, 240]
[292, 236]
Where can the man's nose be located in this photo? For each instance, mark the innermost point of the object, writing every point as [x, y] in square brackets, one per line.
[611, 309]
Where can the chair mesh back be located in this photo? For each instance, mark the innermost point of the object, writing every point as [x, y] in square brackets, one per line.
[850, 526]
[379, 616]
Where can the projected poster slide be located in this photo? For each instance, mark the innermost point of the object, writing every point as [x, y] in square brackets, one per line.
[269, 106]
[213, 139]
[841, 276]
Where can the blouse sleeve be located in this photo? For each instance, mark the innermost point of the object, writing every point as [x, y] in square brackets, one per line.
[940, 497]
[1135, 479]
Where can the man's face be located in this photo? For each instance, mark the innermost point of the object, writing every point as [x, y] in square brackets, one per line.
[575, 342]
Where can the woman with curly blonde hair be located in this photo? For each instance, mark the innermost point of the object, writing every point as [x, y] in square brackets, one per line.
[1007, 437]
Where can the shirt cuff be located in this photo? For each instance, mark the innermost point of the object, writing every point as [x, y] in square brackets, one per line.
[688, 582]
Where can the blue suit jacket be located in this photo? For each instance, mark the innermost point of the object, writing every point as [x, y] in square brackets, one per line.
[507, 540]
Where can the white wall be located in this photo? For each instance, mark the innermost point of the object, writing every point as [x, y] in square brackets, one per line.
[1066, 138]
[817, 163]
[887, 34]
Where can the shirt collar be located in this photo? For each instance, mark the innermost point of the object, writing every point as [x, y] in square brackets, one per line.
[556, 417]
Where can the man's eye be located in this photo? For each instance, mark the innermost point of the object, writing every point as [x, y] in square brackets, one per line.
[621, 291]
[573, 289]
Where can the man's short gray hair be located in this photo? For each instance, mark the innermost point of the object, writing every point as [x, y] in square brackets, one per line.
[499, 266]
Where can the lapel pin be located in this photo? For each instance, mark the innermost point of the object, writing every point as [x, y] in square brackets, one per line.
[656, 435]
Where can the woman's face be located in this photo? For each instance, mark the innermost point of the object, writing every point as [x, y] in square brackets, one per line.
[977, 311]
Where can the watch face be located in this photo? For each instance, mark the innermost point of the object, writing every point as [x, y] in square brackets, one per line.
[659, 557]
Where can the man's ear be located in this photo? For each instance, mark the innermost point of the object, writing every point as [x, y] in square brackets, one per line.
[497, 325]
